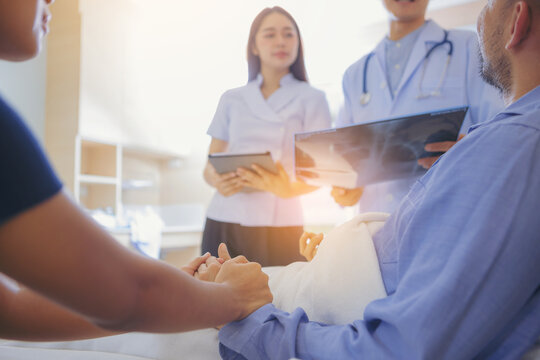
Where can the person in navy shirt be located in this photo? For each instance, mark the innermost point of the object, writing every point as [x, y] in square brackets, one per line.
[62, 277]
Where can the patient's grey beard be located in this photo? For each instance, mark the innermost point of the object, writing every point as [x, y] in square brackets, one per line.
[496, 73]
[494, 64]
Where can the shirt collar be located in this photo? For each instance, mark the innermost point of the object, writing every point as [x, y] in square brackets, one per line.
[524, 105]
[408, 39]
[285, 80]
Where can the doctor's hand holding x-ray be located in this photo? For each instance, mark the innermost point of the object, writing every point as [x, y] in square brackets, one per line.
[418, 67]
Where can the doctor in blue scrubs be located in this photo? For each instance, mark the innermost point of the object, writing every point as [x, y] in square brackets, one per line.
[263, 115]
[418, 67]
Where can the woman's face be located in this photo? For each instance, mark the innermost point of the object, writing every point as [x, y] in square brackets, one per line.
[23, 25]
[276, 42]
[406, 10]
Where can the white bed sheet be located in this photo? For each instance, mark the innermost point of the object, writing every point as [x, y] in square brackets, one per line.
[196, 345]
[22, 353]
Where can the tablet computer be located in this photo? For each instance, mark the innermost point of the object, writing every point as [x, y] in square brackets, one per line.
[362, 154]
[228, 162]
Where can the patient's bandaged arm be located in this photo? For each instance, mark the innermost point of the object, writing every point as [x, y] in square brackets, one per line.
[344, 276]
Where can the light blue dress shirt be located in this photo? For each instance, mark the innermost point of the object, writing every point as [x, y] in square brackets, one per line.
[460, 260]
[250, 123]
[462, 86]
[397, 56]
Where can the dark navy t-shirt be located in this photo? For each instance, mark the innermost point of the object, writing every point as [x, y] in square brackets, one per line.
[26, 177]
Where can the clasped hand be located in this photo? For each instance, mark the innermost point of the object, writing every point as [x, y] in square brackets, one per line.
[246, 280]
[228, 184]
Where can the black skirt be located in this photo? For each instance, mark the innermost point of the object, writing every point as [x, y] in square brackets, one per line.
[267, 245]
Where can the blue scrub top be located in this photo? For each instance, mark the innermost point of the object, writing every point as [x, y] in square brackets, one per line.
[460, 261]
[462, 86]
[250, 123]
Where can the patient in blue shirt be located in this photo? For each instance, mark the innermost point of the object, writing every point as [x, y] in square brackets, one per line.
[460, 257]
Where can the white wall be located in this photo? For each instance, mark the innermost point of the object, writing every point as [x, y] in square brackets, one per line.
[328, 27]
[23, 86]
[152, 72]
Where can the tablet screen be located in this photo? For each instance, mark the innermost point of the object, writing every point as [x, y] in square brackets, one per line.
[228, 162]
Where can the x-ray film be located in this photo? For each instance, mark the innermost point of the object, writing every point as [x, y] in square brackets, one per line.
[362, 154]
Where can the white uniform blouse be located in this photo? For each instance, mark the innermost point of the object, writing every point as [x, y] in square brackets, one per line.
[251, 123]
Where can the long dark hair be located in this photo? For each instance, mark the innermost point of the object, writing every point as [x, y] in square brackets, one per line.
[298, 68]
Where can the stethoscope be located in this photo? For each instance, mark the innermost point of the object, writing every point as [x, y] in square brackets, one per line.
[366, 95]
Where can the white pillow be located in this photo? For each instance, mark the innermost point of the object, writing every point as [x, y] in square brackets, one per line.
[344, 276]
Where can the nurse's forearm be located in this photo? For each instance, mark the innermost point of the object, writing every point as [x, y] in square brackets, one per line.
[170, 301]
[31, 317]
[96, 277]
[209, 175]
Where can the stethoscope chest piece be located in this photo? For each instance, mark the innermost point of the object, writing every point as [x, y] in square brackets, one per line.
[365, 98]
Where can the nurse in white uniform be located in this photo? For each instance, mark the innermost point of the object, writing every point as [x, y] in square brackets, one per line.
[418, 67]
[263, 116]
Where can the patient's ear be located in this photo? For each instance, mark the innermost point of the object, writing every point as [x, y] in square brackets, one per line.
[520, 23]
